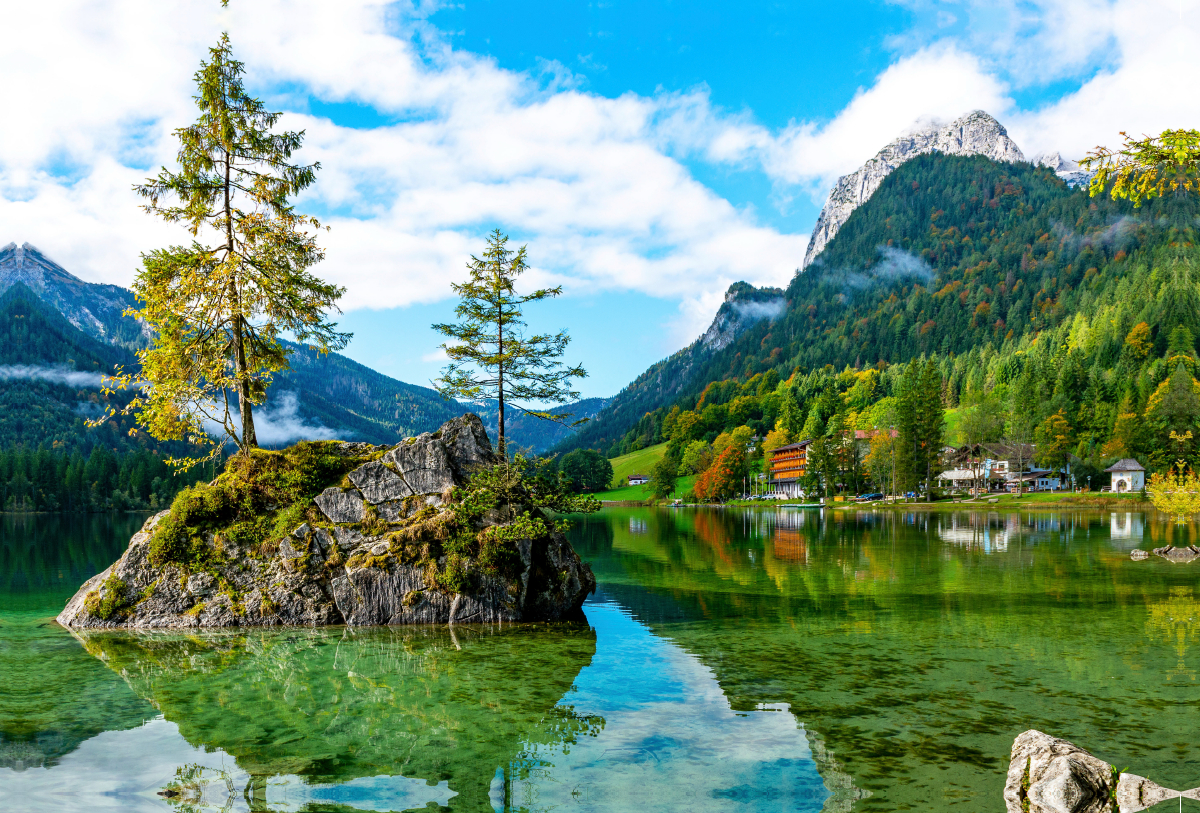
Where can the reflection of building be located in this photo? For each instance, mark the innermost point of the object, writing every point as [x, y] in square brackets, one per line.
[1125, 526]
[1127, 475]
[637, 525]
[790, 546]
[978, 532]
[789, 464]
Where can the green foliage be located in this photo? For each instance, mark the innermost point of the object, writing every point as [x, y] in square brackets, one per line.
[257, 499]
[490, 356]
[217, 311]
[586, 470]
[1147, 168]
[110, 601]
[664, 475]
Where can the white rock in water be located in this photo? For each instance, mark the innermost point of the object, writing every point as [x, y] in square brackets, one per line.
[1049, 775]
[976, 133]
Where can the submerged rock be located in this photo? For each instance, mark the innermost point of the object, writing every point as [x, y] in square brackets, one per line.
[1180, 556]
[1049, 775]
[1139, 555]
[373, 553]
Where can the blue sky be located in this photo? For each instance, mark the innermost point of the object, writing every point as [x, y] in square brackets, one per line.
[650, 153]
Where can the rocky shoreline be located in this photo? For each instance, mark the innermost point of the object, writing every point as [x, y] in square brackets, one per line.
[406, 536]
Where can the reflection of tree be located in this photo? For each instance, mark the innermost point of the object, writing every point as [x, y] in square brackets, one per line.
[196, 788]
[429, 703]
[43, 560]
[559, 730]
[1173, 621]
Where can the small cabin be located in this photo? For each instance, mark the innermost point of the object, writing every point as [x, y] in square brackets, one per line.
[1127, 475]
[638, 479]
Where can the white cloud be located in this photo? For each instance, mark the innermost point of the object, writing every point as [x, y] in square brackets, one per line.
[279, 423]
[597, 186]
[585, 180]
[53, 375]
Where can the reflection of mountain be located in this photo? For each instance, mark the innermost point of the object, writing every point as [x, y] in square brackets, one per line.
[917, 658]
[432, 703]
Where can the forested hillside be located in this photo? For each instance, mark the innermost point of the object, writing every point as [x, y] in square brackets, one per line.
[1039, 305]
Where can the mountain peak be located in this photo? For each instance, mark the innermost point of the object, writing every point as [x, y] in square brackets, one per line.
[97, 310]
[976, 133]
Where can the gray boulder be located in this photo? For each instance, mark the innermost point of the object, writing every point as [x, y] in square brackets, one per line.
[1180, 556]
[341, 505]
[360, 567]
[1049, 775]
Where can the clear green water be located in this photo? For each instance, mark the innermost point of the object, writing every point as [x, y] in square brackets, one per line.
[732, 661]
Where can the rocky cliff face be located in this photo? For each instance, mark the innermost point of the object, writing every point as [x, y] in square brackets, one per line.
[1065, 168]
[377, 549]
[976, 133]
[97, 310]
[743, 306]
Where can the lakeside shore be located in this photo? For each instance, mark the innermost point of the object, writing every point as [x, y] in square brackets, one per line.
[1088, 501]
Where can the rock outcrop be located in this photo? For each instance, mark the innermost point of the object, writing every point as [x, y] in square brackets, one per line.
[1068, 170]
[372, 554]
[744, 305]
[1049, 775]
[1180, 556]
[976, 133]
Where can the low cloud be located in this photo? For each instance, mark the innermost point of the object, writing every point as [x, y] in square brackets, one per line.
[278, 423]
[52, 375]
[757, 311]
[894, 264]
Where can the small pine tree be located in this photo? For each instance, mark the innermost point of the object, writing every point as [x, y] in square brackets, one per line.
[490, 357]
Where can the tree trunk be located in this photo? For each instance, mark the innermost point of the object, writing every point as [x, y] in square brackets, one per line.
[240, 368]
[500, 377]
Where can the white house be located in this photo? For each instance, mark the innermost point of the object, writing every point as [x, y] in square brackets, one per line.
[1127, 475]
[638, 479]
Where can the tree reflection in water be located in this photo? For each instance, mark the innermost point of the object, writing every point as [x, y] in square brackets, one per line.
[332, 706]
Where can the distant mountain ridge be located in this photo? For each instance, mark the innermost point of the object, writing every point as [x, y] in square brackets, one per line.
[320, 396]
[96, 309]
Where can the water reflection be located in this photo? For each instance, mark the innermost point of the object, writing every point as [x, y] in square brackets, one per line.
[734, 660]
[671, 740]
[920, 644]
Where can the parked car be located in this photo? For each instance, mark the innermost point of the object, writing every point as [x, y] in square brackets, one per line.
[872, 496]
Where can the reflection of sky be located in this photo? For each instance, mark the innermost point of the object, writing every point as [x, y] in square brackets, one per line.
[670, 740]
[124, 770]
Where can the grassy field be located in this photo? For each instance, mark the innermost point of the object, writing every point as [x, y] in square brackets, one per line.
[639, 462]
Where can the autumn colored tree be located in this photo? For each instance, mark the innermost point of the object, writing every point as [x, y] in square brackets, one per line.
[490, 355]
[1147, 168]
[217, 309]
[724, 478]
[1175, 492]
[1054, 441]
[1139, 341]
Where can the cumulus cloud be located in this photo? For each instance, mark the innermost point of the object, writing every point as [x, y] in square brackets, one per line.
[598, 187]
[53, 375]
[586, 180]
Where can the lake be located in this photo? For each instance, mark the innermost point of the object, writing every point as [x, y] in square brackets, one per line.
[732, 660]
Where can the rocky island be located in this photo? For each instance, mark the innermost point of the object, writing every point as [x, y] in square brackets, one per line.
[436, 529]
